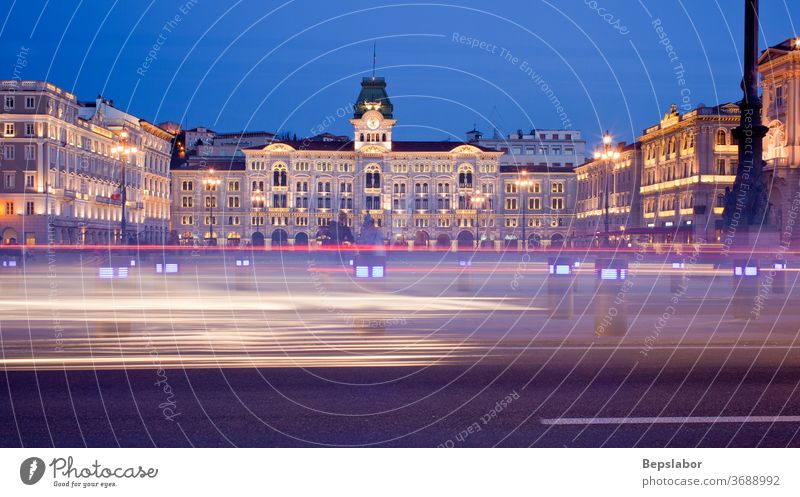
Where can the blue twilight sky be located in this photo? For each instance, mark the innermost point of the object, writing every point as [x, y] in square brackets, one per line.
[296, 65]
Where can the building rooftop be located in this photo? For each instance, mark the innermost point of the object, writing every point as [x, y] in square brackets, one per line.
[202, 163]
[529, 168]
[397, 146]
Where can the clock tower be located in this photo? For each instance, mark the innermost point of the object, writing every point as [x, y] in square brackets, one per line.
[372, 119]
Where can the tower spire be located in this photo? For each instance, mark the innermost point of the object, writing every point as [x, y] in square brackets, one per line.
[374, 57]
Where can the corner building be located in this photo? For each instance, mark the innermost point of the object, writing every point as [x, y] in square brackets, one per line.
[60, 177]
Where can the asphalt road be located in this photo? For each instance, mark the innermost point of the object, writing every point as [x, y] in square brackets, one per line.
[569, 397]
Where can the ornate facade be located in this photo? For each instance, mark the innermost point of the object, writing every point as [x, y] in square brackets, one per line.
[286, 192]
[61, 177]
[608, 197]
[688, 162]
[780, 80]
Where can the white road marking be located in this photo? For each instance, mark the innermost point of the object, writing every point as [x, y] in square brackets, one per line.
[671, 420]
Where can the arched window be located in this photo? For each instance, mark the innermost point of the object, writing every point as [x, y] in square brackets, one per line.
[722, 137]
[465, 176]
[372, 178]
[279, 176]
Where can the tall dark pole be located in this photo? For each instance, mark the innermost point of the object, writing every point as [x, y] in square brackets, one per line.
[211, 216]
[125, 152]
[605, 202]
[124, 222]
[606, 158]
[746, 204]
[524, 202]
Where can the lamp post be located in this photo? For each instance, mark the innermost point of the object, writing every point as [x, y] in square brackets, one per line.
[124, 151]
[522, 183]
[258, 200]
[607, 155]
[211, 182]
[477, 200]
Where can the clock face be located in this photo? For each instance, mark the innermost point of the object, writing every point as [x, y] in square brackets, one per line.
[373, 123]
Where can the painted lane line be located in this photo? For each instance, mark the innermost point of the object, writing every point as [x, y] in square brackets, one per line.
[670, 420]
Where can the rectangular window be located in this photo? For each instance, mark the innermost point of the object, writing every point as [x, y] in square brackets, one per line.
[29, 210]
[9, 180]
[557, 203]
[30, 102]
[511, 222]
[511, 204]
[29, 180]
[233, 202]
[8, 129]
[9, 103]
[30, 152]
[30, 129]
[534, 204]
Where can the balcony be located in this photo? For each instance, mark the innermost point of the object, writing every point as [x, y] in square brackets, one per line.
[775, 162]
[730, 149]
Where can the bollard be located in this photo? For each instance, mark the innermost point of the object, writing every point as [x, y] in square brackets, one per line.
[677, 276]
[561, 287]
[11, 273]
[115, 275]
[243, 273]
[464, 274]
[610, 316]
[369, 266]
[746, 277]
[779, 276]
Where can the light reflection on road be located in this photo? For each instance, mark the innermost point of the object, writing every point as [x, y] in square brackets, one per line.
[291, 317]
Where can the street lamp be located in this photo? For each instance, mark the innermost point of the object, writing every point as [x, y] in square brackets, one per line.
[477, 200]
[258, 200]
[211, 182]
[607, 155]
[522, 183]
[124, 151]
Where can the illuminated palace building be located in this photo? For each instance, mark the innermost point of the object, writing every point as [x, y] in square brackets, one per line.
[62, 164]
[669, 187]
[780, 81]
[420, 193]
